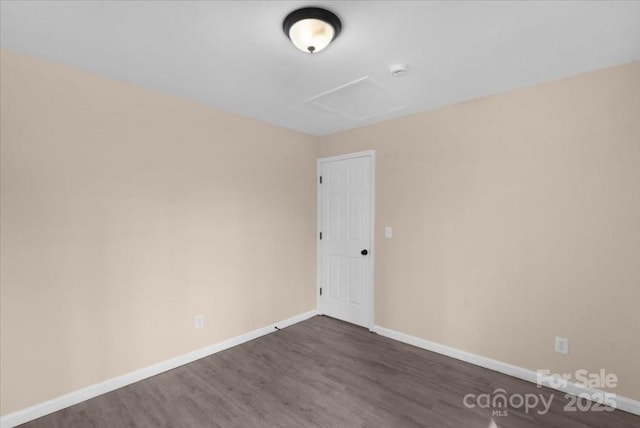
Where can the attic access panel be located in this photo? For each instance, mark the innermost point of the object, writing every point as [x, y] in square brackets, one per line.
[361, 99]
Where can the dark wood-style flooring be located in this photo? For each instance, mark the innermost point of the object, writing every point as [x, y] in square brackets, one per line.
[321, 373]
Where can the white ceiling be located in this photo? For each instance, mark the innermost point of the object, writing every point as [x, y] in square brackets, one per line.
[233, 55]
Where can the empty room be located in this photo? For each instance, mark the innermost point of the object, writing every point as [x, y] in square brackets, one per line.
[319, 214]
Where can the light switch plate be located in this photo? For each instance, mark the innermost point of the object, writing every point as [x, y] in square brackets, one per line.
[388, 232]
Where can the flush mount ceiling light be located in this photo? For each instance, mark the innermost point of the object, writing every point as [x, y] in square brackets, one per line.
[311, 29]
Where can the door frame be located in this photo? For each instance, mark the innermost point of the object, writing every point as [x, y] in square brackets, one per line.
[371, 154]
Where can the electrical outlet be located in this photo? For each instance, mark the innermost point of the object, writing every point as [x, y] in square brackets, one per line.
[562, 345]
[199, 321]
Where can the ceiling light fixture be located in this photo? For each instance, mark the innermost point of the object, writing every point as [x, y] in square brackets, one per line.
[311, 29]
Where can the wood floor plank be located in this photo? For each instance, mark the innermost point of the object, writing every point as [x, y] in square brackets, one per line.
[321, 373]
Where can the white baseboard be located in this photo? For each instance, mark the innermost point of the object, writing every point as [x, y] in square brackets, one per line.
[30, 413]
[622, 403]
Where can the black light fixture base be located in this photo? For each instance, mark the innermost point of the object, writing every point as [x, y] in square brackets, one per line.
[312, 13]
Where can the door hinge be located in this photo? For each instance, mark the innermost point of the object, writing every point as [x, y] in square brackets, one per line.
[321, 236]
[321, 291]
[320, 179]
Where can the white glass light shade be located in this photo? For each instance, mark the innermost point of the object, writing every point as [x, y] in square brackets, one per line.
[311, 35]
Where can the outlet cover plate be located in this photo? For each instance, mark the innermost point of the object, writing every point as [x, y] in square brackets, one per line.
[199, 321]
[562, 345]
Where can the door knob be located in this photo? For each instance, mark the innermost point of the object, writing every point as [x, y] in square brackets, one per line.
[364, 252]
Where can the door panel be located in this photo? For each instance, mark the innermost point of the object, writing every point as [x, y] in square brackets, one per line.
[355, 281]
[333, 266]
[355, 216]
[346, 214]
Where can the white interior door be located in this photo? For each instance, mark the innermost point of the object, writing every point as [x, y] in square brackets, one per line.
[346, 238]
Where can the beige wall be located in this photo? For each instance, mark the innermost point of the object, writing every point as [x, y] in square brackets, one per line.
[516, 218]
[127, 212]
